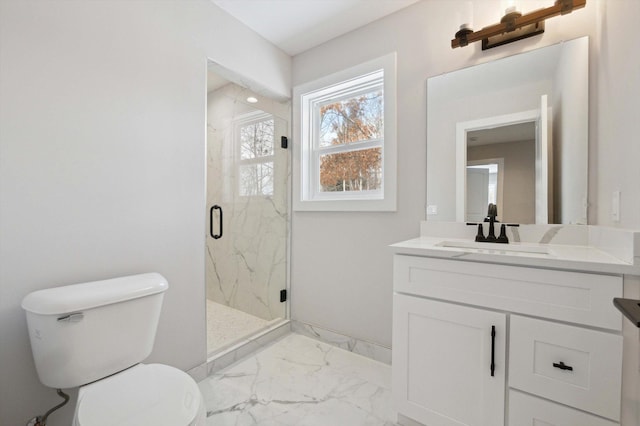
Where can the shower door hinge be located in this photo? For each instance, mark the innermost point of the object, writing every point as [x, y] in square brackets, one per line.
[283, 295]
[284, 142]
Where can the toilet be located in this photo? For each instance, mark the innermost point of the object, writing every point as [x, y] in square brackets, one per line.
[94, 336]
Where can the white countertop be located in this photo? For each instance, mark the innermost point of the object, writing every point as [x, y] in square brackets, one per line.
[585, 258]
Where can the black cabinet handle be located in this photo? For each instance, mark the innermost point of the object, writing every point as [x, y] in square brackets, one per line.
[493, 350]
[561, 365]
[215, 236]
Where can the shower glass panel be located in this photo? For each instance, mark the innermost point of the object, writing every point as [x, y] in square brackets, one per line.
[247, 214]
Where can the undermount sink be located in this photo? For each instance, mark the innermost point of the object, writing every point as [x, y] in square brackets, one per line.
[495, 247]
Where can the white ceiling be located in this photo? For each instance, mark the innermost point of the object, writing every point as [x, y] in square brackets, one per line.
[298, 25]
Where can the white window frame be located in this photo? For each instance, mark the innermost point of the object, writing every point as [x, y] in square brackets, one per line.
[306, 175]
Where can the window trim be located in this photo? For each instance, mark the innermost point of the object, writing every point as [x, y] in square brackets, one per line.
[306, 197]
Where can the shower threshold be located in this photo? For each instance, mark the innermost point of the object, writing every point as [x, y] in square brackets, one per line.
[232, 331]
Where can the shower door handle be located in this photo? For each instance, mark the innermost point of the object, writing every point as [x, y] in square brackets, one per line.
[215, 236]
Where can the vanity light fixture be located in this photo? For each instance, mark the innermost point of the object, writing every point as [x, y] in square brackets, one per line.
[514, 25]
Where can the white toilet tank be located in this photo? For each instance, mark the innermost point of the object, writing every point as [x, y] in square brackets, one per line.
[83, 332]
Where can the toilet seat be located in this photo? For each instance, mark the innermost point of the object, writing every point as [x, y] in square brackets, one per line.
[145, 394]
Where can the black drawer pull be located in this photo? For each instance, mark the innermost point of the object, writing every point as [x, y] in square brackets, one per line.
[561, 365]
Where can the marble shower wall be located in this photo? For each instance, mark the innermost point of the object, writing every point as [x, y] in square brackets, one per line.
[247, 267]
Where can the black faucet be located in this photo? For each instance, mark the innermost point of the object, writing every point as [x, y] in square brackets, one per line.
[492, 212]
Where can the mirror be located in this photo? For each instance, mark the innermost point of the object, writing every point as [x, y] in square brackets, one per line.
[514, 131]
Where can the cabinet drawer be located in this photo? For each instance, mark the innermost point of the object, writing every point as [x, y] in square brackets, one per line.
[528, 410]
[563, 295]
[574, 366]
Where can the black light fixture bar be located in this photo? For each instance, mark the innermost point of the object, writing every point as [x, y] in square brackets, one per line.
[515, 26]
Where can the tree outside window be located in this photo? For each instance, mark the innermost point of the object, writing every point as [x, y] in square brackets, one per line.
[356, 122]
[347, 139]
[255, 135]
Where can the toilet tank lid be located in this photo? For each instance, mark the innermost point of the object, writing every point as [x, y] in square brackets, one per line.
[78, 297]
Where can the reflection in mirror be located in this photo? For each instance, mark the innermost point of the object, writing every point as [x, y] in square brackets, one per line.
[522, 139]
[504, 157]
[548, 90]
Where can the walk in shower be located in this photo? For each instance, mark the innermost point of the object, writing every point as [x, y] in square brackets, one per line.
[247, 213]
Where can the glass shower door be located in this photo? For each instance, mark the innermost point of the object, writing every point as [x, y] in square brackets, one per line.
[247, 186]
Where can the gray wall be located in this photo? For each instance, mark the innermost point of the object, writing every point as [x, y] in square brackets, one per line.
[102, 161]
[341, 266]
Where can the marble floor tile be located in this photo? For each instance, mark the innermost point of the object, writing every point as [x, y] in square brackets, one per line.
[303, 382]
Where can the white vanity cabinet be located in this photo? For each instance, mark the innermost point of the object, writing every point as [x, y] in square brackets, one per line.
[449, 362]
[556, 351]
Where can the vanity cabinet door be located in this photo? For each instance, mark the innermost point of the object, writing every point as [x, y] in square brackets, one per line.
[443, 372]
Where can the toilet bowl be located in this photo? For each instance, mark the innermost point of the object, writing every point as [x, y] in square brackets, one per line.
[94, 336]
[152, 394]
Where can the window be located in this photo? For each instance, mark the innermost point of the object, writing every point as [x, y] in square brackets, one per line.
[346, 124]
[255, 140]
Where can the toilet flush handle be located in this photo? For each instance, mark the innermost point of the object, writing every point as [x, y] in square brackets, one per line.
[75, 317]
